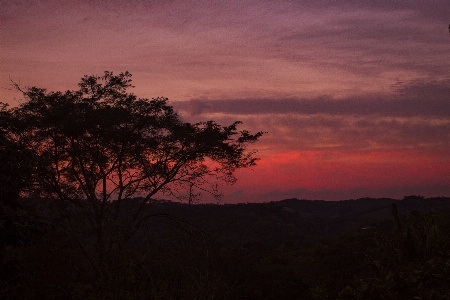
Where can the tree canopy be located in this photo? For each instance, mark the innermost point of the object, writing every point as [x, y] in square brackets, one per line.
[100, 145]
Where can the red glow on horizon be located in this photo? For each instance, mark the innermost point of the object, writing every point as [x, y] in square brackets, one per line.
[340, 170]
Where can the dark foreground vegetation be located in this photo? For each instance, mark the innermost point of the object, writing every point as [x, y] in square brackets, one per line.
[291, 249]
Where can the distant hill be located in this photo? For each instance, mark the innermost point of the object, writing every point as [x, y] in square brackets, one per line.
[292, 220]
[368, 207]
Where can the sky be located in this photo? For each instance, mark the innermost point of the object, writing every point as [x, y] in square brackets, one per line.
[354, 95]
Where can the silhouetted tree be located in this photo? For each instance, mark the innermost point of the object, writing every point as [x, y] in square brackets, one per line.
[100, 146]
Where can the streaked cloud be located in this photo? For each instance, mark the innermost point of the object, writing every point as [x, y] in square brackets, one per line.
[416, 98]
[345, 89]
[415, 116]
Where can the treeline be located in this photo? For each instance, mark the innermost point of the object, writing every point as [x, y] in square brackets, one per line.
[291, 249]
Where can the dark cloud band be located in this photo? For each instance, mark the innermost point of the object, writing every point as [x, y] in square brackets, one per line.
[416, 98]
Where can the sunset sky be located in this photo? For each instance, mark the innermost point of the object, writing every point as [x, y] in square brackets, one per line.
[354, 95]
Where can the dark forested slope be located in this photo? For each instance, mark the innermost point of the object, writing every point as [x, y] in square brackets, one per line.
[290, 249]
[294, 220]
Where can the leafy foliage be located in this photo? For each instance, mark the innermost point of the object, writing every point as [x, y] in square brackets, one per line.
[96, 147]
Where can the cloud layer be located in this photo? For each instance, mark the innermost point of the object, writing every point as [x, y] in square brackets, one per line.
[415, 116]
[231, 49]
[418, 98]
[354, 94]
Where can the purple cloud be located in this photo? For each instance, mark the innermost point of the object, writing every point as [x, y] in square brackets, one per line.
[426, 98]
